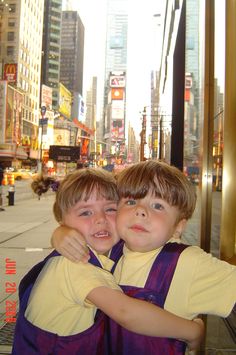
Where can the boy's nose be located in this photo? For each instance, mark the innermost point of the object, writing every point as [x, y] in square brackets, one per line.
[101, 218]
[140, 212]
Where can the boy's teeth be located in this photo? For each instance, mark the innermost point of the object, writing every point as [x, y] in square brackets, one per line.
[101, 234]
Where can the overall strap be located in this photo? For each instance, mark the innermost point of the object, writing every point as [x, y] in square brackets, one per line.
[163, 268]
[116, 253]
[31, 276]
[94, 260]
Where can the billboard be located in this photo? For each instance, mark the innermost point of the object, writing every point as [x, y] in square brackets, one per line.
[3, 108]
[65, 99]
[46, 97]
[13, 115]
[10, 72]
[117, 109]
[118, 130]
[81, 109]
[64, 153]
[117, 93]
[117, 81]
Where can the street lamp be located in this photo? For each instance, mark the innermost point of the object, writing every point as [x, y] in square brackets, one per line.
[42, 121]
[143, 134]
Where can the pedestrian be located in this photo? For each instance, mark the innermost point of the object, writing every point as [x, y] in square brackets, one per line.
[1, 173]
[59, 299]
[156, 200]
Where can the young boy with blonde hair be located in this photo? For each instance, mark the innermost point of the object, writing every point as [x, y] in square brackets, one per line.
[156, 200]
[59, 299]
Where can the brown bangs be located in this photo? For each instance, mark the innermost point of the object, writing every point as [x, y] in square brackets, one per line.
[162, 181]
[79, 185]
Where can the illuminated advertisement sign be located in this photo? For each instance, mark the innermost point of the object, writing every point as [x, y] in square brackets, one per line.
[46, 97]
[65, 99]
[3, 106]
[10, 72]
[117, 93]
[117, 81]
[118, 130]
[188, 82]
[117, 109]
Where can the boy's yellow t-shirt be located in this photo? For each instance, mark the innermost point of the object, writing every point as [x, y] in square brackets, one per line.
[199, 284]
[57, 301]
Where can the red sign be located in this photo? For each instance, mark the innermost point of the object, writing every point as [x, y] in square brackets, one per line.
[10, 72]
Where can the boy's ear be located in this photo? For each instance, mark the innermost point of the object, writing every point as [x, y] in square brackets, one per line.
[180, 227]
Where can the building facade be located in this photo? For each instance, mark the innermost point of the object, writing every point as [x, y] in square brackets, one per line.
[21, 24]
[115, 78]
[72, 52]
[51, 48]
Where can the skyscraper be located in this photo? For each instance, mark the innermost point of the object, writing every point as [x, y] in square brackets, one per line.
[72, 52]
[51, 47]
[115, 76]
[21, 24]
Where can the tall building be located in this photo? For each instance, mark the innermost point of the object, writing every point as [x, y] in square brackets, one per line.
[91, 104]
[72, 52]
[21, 26]
[115, 77]
[91, 113]
[192, 86]
[51, 48]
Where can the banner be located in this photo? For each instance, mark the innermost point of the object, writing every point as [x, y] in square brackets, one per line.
[10, 72]
[3, 107]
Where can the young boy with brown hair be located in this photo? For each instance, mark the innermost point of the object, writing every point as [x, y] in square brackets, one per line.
[156, 200]
[59, 299]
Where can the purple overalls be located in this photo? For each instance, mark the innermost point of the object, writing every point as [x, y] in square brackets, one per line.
[124, 342]
[31, 340]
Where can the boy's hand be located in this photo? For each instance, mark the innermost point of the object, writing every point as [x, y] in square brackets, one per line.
[70, 243]
[195, 343]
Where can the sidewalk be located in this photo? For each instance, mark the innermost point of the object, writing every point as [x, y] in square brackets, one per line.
[25, 231]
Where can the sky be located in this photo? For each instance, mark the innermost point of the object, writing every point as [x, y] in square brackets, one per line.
[143, 30]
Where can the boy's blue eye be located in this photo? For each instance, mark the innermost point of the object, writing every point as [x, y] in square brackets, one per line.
[85, 213]
[130, 202]
[111, 209]
[157, 206]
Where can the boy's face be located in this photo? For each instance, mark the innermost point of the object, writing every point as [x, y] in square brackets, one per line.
[95, 219]
[147, 224]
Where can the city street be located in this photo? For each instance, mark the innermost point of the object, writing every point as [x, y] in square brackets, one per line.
[25, 231]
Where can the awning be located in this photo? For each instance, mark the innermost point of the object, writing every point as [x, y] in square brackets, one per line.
[12, 152]
[21, 153]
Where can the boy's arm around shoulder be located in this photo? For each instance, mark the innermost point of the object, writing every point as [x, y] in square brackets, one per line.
[145, 318]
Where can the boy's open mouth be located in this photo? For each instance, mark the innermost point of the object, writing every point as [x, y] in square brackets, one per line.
[101, 234]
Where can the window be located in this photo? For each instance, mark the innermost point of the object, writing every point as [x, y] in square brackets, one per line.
[12, 8]
[10, 36]
[10, 50]
[11, 22]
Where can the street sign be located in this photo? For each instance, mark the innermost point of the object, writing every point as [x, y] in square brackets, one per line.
[43, 121]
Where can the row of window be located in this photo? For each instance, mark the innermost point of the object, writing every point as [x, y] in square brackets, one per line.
[8, 7]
